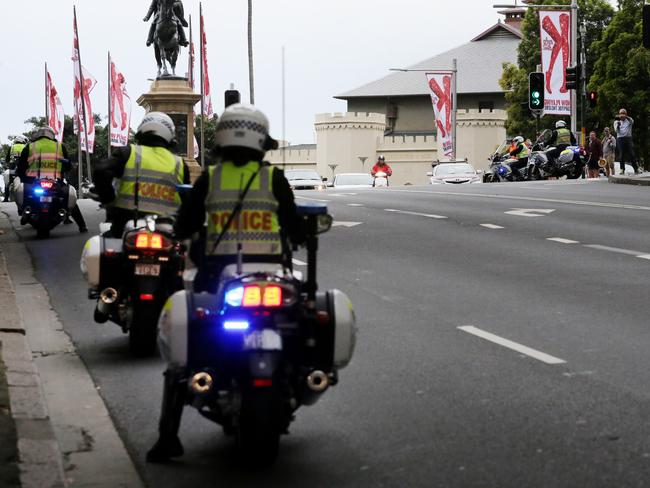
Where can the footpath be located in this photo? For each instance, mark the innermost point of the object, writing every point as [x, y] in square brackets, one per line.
[640, 180]
[55, 430]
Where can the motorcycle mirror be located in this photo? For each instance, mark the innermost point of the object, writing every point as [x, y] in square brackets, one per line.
[324, 223]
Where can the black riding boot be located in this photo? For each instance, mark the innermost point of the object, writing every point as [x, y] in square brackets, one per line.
[182, 39]
[152, 31]
[169, 445]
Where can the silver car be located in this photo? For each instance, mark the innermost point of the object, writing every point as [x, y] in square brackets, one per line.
[304, 179]
[454, 173]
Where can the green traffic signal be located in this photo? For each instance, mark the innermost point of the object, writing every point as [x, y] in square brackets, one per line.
[536, 91]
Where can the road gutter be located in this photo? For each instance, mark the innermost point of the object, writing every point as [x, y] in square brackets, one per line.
[93, 453]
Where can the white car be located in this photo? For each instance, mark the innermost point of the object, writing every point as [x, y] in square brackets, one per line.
[454, 174]
[352, 180]
[304, 179]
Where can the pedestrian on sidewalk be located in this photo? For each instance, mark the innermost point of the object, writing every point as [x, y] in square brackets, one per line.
[623, 127]
[609, 151]
[594, 153]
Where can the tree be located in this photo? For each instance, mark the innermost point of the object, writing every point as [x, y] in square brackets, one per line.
[622, 73]
[594, 14]
[209, 126]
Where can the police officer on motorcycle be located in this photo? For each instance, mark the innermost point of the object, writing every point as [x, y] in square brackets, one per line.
[518, 150]
[248, 203]
[151, 165]
[561, 138]
[45, 157]
[11, 161]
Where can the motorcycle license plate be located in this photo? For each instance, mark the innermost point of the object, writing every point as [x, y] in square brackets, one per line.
[46, 199]
[263, 340]
[142, 269]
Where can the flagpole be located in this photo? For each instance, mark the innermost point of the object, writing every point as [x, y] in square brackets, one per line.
[83, 98]
[202, 34]
[190, 61]
[110, 113]
[47, 106]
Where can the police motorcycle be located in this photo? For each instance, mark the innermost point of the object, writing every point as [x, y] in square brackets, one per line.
[266, 343]
[500, 169]
[132, 277]
[44, 202]
[542, 164]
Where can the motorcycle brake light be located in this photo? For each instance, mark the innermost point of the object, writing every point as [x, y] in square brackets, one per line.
[142, 241]
[272, 296]
[47, 184]
[252, 296]
[262, 382]
[156, 241]
[146, 297]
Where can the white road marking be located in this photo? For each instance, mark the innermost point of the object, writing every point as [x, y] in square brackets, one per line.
[492, 226]
[530, 212]
[431, 216]
[355, 204]
[340, 194]
[533, 353]
[340, 223]
[618, 250]
[561, 240]
[644, 256]
[530, 199]
[298, 262]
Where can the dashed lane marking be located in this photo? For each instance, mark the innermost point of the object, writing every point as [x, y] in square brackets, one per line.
[355, 205]
[618, 250]
[298, 262]
[406, 212]
[562, 240]
[492, 226]
[312, 199]
[533, 353]
[341, 223]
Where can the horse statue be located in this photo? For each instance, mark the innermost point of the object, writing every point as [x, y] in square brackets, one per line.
[166, 42]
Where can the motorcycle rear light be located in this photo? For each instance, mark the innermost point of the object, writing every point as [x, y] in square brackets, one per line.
[156, 241]
[262, 382]
[235, 296]
[47, 184]
[146, 297]
[149, 241]
[272, 296]
[252, 296]
[236, 325]
[142, 241]
[39, 191]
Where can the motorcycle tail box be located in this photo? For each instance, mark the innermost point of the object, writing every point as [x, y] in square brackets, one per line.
[99, 249]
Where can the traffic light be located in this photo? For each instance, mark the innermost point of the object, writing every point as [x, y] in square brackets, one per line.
[646, 26]
[573, 77]
[592, 96]
[231, 97]
[536, 91]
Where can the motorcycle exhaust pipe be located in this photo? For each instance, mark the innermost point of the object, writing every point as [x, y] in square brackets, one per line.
[317, 381]
[62, 213]
[201, 383]
[106, 300]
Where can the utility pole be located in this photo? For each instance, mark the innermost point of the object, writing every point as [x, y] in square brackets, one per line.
[454, 112]
[251, 80]
[574, 61]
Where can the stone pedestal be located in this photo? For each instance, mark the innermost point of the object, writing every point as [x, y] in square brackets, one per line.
[174, 97]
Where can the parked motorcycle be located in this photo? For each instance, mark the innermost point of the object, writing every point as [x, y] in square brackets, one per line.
[263, 345]
[132, 277]
[500, 166]
[542, 164]
[44, 203]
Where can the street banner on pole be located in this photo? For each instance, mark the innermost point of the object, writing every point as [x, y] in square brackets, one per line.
[55, 116]
[207, 98]
[84, 122]
[555, 41]
[440, 83]
[120, 108]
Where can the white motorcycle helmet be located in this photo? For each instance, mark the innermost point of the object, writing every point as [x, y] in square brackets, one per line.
[518, 140]
[45, 132]
[243, 125]
[560, 124]
[20, 140]
[158, 124]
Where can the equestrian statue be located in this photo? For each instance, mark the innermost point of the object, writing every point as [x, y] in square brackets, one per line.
[166, 33]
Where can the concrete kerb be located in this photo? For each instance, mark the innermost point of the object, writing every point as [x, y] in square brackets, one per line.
[630, 180]
[74, 421]
[40, 460]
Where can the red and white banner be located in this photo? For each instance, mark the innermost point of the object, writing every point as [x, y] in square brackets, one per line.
[120, 109]
[83, 122]
[207, 98]
[555, 41]
[55, 116]
[440, 83]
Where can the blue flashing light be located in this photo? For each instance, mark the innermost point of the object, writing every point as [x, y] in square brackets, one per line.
[236, 325]
[39, 191]
[234, 296]
[502, 170]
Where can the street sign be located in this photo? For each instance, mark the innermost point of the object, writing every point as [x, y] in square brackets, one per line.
[536, 91]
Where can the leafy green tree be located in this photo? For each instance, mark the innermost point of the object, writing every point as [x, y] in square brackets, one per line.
[209, 126]
[622, 73]
[594, 14]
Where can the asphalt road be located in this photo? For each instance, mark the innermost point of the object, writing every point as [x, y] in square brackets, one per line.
[503, 342]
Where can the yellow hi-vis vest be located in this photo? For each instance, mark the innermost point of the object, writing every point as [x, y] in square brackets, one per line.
[44, 159]
[523, 152]
[563, 137]
[16, 150]
[256, 226]
[158, 172]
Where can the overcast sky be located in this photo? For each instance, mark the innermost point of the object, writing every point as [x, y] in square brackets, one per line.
[331, 46]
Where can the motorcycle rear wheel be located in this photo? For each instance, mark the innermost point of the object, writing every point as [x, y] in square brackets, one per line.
[143, 330]
[258, 433]
[42, 232]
